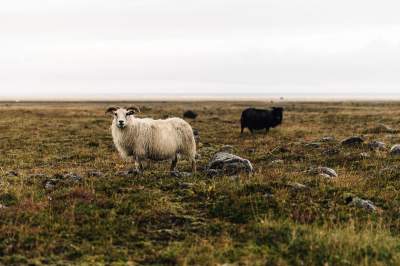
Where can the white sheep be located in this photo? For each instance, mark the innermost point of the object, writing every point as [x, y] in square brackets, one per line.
[146, 138]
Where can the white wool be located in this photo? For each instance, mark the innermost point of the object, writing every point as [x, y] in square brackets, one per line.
[145, 138]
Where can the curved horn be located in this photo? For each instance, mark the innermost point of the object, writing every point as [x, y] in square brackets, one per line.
[133, 108]
[111, 109]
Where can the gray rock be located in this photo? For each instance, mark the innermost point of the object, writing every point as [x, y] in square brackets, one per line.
[377, 145]
[180, 174]
[353, 141]
[297, 186]
[229, 164]
[12, 173]
[327, 139]
[212, 172]
[364, 155]
[323, 171]
[51, 184]
[73, 177]
[395, 150]
[365, 204]
[274, 162]
[313, 145]
[95, 174]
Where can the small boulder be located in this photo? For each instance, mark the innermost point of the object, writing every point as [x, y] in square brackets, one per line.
[190, 114]
[327, 139]
[228, 164]
[95, 174]
[313, 145]
[297, 186]
[323, 171]
[361, 203]
[12, 173]
[395, 150]
[353, 141]
[377, 145]
[275, 162]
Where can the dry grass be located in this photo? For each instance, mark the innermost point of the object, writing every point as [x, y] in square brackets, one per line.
[158, 219]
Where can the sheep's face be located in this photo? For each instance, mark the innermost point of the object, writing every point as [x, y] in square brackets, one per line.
[121, 115]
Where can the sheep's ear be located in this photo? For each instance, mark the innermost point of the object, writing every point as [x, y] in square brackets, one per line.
[133, 109]
[111, 110]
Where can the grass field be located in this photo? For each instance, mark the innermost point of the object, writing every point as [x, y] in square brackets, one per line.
[103, 217]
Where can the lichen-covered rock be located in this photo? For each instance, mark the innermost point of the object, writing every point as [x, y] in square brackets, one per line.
[313, 145]
[353, 141]
[365, 204]
[327, 139]
[275, 162]
[395, 150]
[323, 171]
[228, 164]
[377, 145]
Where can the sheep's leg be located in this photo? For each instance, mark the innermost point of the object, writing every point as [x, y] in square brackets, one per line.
[251, 130]
[266, 130]
[174, 163]
[139, 164]
[193, 166]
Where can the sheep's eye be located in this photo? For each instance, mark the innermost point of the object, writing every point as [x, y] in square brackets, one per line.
[115, 114]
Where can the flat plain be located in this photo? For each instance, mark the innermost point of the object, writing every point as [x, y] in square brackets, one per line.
[66, 198]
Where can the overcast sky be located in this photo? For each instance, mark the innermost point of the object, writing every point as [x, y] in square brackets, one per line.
[82, 47]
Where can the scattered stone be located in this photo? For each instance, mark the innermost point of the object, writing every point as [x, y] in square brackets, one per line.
[331, 151]
[377, 145]
[365, 204]
[228, 164]
[51, 184]
[297, 186]
[190, 114]
[323, 171]
[327, 139]
[313, 145]
[395, 150]
[353, 141]
[274, 162]
[180, 174]
[364, 155]
[95, 174]
[73, 177]
[2, 206]
[12, 173]
[268, 195]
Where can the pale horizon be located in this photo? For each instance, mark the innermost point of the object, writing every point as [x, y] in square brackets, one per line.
[78, 48]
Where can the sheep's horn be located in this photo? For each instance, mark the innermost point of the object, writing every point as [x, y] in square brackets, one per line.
[133, 108]
[111, 109]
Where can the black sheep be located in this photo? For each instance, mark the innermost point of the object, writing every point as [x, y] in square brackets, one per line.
[253, 118]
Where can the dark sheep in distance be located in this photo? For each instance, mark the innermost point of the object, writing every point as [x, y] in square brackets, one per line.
[253, 118]
[190, 114]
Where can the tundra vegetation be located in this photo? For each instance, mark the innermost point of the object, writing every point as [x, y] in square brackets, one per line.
[67, 198]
